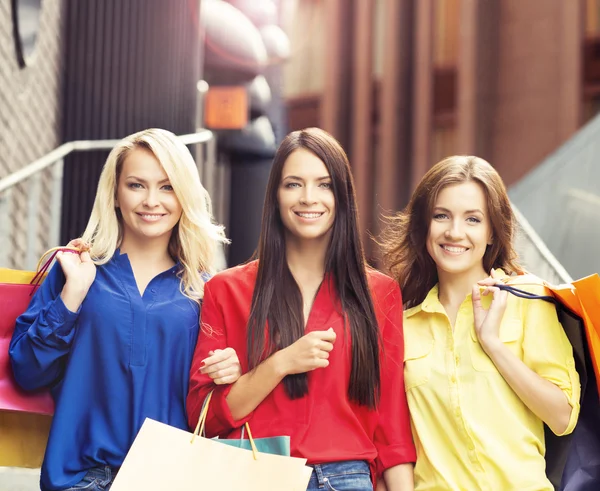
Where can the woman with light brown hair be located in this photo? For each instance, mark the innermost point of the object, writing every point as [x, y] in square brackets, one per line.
[483, 371]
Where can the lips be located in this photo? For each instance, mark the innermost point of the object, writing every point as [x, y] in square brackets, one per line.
[150, 217]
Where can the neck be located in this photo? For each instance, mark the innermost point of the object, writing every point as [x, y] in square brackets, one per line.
[454, 288]
[306, 259]
[149, 251]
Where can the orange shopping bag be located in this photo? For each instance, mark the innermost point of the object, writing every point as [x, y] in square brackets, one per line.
[573, 461]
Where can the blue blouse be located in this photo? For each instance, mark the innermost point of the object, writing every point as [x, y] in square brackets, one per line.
[120, 359]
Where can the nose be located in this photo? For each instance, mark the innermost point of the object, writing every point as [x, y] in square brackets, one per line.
[308, 196]
[151, 200]
[455, 230]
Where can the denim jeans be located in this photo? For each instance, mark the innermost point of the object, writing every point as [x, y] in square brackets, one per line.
[96, 479]
[352, 475]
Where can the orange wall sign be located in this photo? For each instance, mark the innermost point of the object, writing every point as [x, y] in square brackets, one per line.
[226, 108]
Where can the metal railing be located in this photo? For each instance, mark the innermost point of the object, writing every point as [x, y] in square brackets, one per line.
[535, 256]
[30, 176]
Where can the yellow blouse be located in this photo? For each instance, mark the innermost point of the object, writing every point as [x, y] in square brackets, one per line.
[471, 431]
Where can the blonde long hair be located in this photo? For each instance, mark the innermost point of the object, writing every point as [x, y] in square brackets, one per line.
[195, 239]
[404, 241]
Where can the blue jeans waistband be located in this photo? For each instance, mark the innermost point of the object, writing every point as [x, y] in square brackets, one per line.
[324, 471]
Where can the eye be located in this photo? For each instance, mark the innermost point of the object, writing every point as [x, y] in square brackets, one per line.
[473, 220]
[134, 185]
[290, 185]
[440, 216]
[167, 187]
[325, 185]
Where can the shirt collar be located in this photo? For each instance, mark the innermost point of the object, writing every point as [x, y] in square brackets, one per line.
[432, 303]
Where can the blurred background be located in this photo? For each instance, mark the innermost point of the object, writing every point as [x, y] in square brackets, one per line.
[400, 83]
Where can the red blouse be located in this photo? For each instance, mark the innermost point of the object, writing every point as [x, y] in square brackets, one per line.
[324, 426]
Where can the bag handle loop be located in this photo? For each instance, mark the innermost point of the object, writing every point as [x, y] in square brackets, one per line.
[40, 271]
[199, 430]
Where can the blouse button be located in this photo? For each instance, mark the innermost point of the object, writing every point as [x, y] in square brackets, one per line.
[453, 379]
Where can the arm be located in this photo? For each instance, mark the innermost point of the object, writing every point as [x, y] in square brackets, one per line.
[308, 353]
[233, 405]
[393, 438]
[44, 333]
[545, 380]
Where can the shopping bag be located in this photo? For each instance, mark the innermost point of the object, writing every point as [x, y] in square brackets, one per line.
[163, 457]
[16, 290]
[24, 417]
[276, 445]
[573, 461]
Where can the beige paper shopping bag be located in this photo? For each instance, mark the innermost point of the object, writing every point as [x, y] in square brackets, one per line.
[166, 458]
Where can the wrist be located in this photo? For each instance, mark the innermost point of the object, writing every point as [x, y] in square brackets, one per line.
[278, 364]
[73, 297]
[490, 344]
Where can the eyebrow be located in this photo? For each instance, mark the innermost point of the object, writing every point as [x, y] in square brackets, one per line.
[441, 208]
[302, 179]
[144, 180]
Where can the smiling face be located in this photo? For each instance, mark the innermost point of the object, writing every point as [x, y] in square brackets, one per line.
[460, 230]
[148, 204]
[305, 197]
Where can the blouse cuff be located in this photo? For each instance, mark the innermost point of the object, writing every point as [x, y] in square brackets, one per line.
[60, 319]
[395, 455]
[573, 399]
[220, 409]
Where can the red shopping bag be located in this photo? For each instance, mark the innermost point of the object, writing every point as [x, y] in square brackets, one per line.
[16, 290]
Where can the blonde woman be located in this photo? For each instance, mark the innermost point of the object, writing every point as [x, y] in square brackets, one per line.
[112, 330]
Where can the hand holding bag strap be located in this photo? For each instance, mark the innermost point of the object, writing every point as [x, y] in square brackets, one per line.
[40, 271]
[199, 430]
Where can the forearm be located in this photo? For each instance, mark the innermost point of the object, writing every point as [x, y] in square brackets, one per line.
[398, 478]
[546, 400]
[253, 387]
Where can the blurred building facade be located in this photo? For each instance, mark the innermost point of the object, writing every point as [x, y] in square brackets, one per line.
[404, 83]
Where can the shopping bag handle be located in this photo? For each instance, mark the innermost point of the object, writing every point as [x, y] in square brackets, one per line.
[41, 269]
[199, 430]
[517, 292]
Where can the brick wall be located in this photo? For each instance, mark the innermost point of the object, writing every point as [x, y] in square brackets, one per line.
[30, 126]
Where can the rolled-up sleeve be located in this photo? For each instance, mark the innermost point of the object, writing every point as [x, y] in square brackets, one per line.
[548, 352]
[393, 437]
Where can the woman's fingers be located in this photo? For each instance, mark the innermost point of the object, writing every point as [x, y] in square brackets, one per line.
[220, 360]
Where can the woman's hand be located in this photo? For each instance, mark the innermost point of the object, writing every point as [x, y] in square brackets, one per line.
[222, 366]
[311, 351]
[79, 271]
[487, 322]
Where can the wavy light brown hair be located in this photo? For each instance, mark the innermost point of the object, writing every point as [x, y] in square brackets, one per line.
[404, 240]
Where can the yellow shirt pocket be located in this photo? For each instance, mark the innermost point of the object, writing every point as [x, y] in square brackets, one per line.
[511, 334]
[418, 345]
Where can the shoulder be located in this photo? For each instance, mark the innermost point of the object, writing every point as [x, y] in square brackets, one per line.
[379, 281]
[385, 291]
[238, 277]
[530, 283]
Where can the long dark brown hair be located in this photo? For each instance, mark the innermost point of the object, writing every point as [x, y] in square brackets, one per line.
[404, 240]
[277, 298]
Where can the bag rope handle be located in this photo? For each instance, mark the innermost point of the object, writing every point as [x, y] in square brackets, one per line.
[199, 430]
[41, 269]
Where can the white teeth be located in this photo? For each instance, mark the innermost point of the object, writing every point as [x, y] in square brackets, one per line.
[455, 249]
[310, 215]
